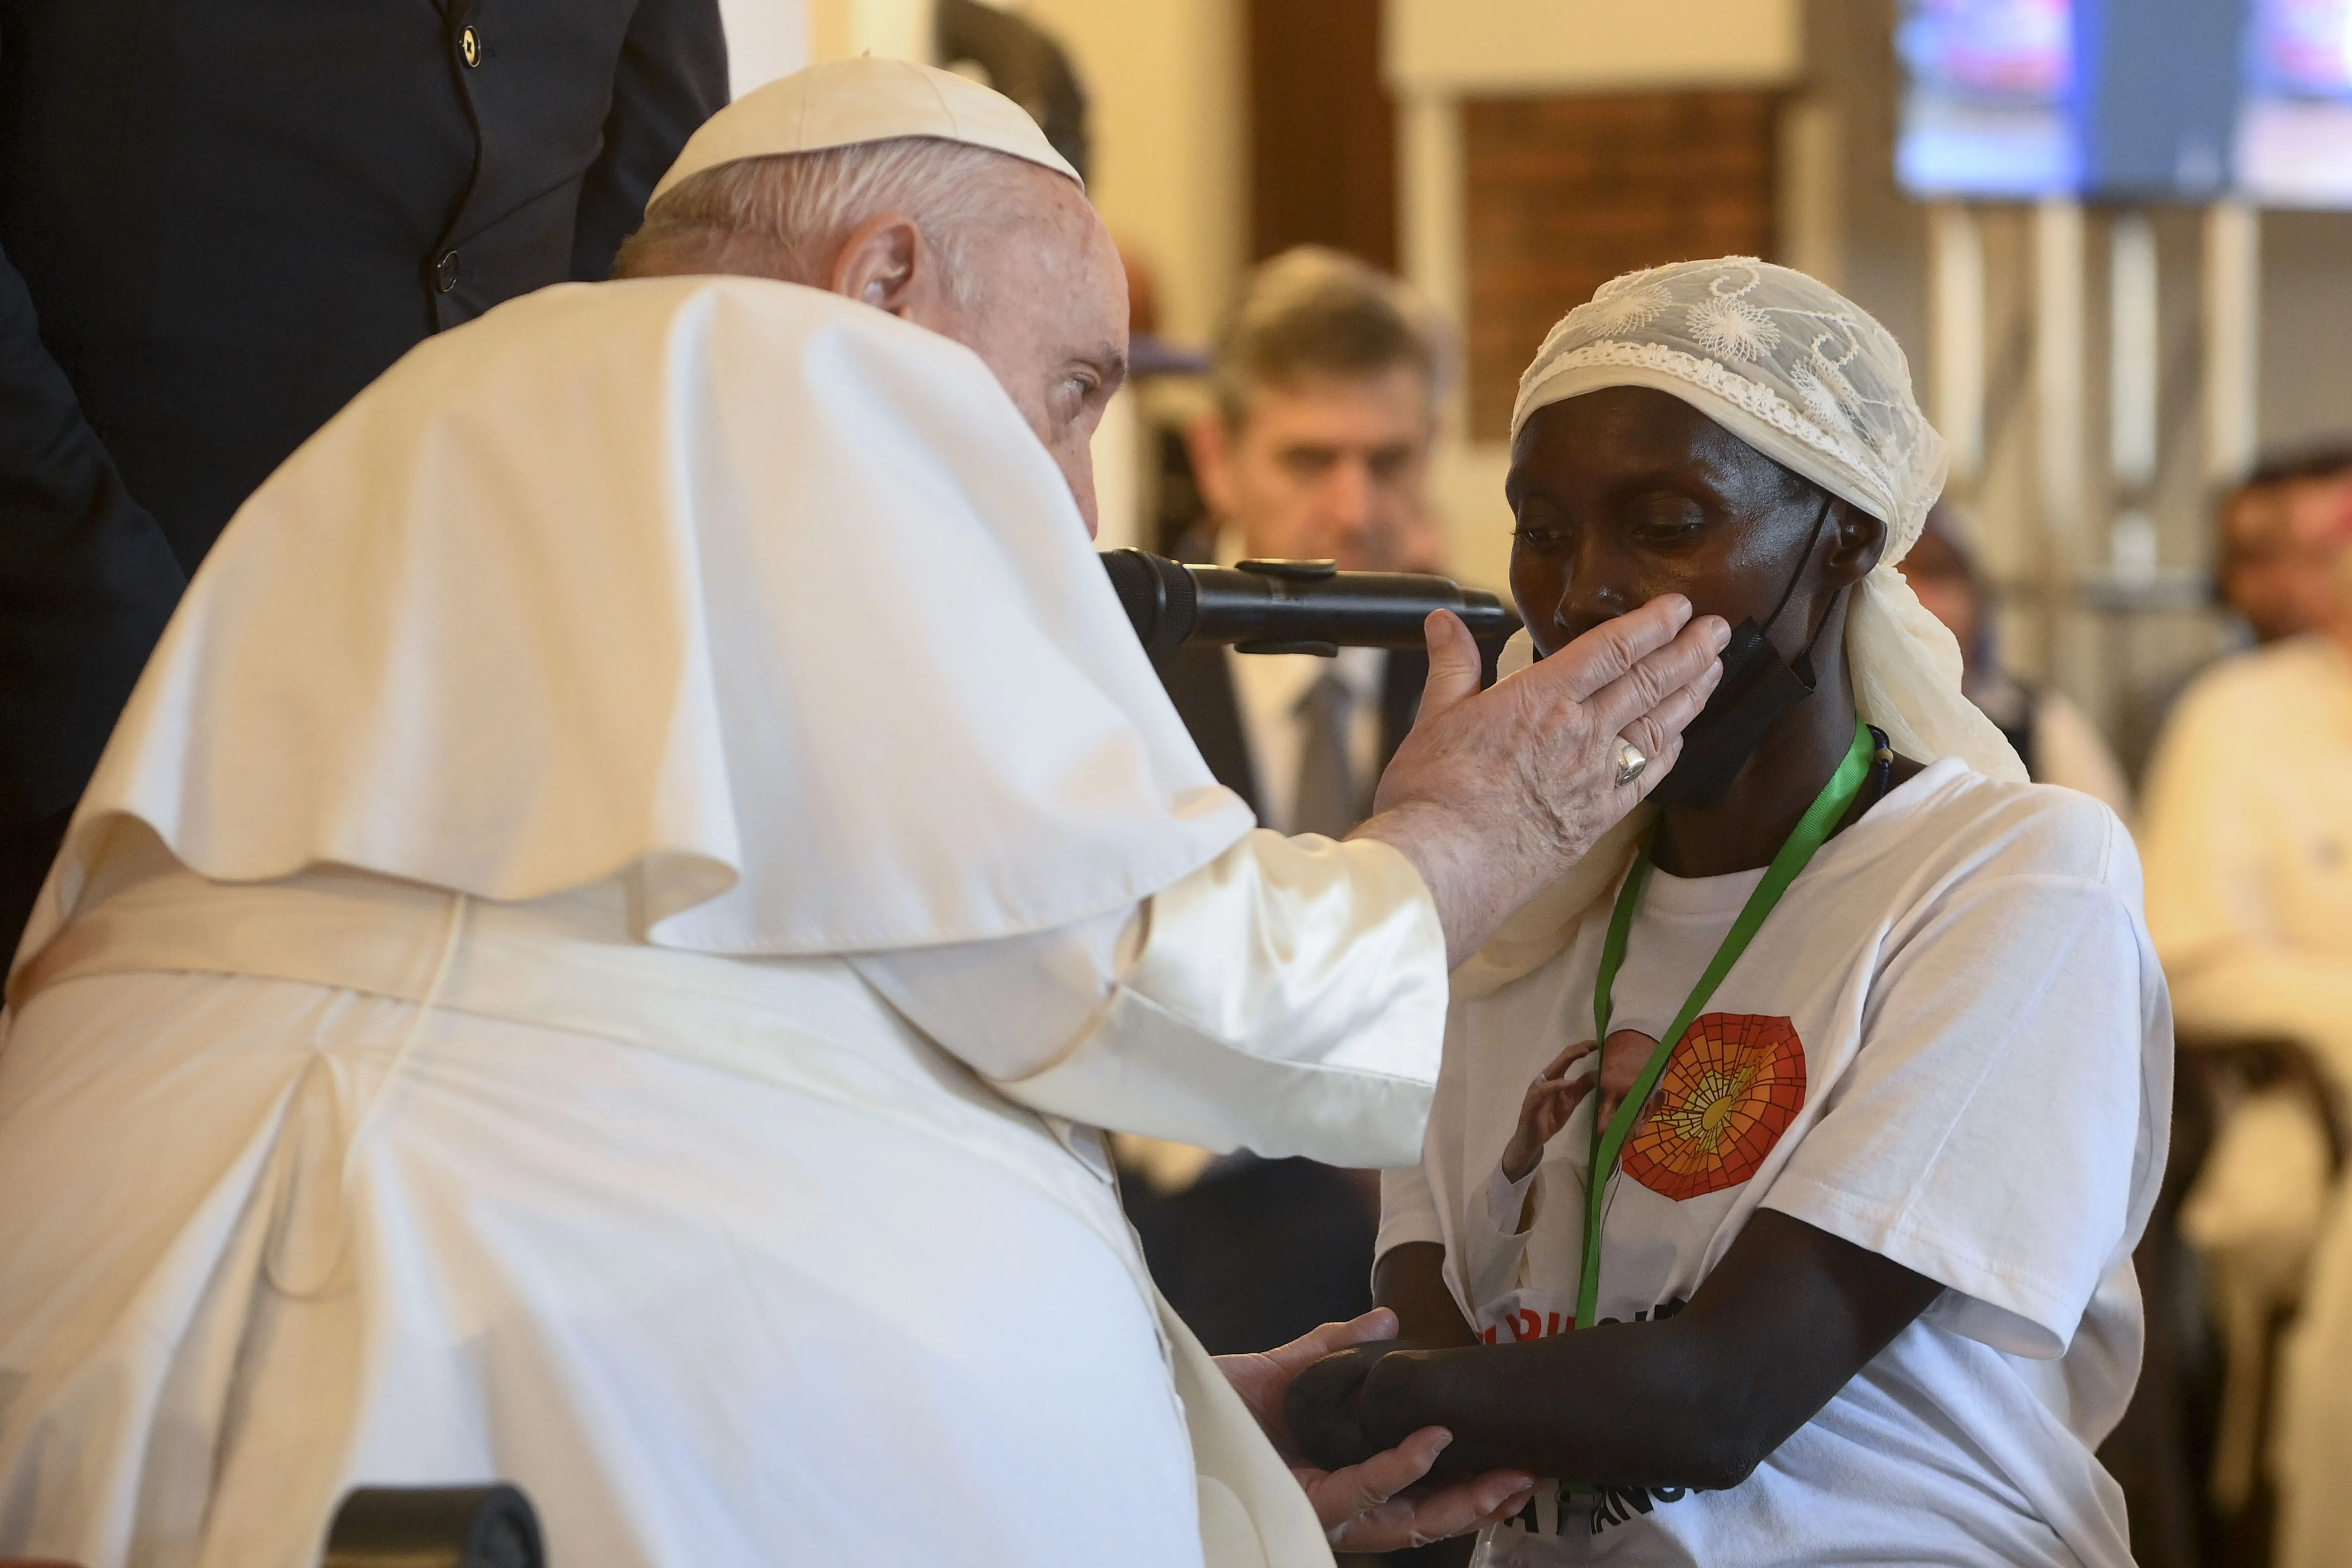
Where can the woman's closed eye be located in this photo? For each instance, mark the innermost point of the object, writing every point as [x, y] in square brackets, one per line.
[1665, 519]
[1659, 519]
[1539, 528]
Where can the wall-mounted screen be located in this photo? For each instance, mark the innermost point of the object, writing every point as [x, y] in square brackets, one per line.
[2295, 133]
[2131, 99]
[1984, 107]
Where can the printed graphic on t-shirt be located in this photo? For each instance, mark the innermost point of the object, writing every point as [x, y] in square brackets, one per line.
[1730, 1089]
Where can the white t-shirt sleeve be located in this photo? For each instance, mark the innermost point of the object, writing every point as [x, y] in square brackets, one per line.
[1288, 997]
[1997, 1132]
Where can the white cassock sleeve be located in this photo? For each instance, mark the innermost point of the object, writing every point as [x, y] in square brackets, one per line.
[1288, 997]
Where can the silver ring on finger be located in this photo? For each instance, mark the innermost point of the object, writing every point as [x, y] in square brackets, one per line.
[1631, 761]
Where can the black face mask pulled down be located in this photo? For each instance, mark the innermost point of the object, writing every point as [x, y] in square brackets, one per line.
[1757, 690]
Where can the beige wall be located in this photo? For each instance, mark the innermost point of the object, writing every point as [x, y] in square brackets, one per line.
[765, 40]
[1167, 120]
[1170, 139]
[1565, 45]
[897, 27]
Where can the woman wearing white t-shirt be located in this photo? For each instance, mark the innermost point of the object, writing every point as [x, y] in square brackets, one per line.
[1861, 1289]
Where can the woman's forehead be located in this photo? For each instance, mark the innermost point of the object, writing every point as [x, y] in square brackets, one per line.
[1621, 432]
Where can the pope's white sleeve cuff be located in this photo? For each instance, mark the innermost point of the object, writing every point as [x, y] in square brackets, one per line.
[1143, 1070]
[1288, 998]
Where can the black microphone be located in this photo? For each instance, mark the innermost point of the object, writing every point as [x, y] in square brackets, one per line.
[491, 1526]
[1290, 606]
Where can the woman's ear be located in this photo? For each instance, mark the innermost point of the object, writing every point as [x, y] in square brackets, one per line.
[1856, 542]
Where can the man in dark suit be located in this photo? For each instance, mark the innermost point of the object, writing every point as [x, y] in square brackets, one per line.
[1326, 381]
[220, 221]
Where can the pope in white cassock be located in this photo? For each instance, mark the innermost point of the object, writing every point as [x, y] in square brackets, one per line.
[598, 950]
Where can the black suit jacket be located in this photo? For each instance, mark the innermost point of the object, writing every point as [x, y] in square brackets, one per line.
[221, 219]
[1200, 684]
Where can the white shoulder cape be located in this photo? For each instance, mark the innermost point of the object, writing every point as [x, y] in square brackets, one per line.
[760, 597]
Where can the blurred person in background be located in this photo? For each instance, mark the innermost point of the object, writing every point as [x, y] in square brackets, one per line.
[2248, 838]
[2249, 795]
[2056, 740]
[216, 231]
[2291, 962]
[1326, 379]
[2275, 540]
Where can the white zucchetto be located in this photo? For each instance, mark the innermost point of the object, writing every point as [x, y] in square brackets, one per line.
[840, 103]
[1809, 379]
[754, 595]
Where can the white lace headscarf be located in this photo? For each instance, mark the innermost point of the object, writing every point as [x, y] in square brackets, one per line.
[1808, 378]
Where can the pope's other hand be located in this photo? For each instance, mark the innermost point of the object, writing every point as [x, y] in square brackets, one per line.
[1495, 793]
[1367, 1506]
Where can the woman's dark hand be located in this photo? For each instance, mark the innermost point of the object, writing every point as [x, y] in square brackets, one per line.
[1386, 1503]
[1323, 1407]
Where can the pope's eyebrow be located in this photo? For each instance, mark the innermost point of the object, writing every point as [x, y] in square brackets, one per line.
[1110, 361]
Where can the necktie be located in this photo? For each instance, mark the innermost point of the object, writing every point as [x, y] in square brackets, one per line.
[1327, 801]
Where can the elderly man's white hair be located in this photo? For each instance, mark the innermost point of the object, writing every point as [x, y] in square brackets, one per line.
[787, 215]
[773, 184]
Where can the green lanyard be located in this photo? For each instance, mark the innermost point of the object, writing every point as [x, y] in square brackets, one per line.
[1813, 830]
